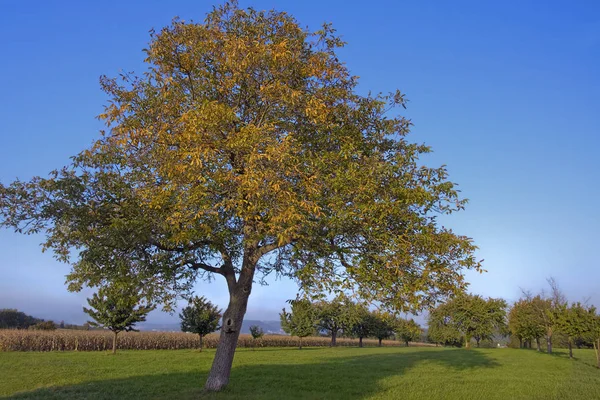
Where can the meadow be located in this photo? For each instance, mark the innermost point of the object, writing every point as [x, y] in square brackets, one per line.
[311, 373]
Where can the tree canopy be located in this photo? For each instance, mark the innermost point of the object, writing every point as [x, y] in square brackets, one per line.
[469, 316]
[338, 314]
[245, 149]
[525, 322]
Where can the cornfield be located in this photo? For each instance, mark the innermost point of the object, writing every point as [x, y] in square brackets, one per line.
[74, 340]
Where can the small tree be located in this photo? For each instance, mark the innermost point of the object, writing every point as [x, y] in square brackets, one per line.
[572, 321]
[408, 330]
[383, 326]
[256, 332]
[547, 309]
[472, 316]
[300, 321]
[118, 307]
[525, 322]
[200, 317]
[365, 323]
[592, 323]
[441, 328]
[336, 315]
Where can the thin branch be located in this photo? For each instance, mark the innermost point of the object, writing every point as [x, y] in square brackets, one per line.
[206, 267]
[181, 249]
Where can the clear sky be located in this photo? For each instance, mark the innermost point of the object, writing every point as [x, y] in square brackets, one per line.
[506, 92]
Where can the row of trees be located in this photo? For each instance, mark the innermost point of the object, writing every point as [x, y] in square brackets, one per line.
[544, 316]
[468, 317]
[14, 319]
[342, 315]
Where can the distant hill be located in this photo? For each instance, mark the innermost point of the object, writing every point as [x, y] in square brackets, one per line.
[270, 327]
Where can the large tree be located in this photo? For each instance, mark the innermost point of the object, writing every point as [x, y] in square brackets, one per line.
[118, 307]
[200, 316]
[246, 149]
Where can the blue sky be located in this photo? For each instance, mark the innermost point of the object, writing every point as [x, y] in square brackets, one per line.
[506, 93]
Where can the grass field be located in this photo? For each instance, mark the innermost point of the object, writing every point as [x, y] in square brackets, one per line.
[313, 373]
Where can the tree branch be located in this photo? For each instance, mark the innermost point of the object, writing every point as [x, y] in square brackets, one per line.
[181, 249]
[206, 267]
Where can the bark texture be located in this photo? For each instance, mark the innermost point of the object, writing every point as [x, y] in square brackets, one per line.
[114, 351]
[239, 292]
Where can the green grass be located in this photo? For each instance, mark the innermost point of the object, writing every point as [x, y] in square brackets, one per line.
[315, 373]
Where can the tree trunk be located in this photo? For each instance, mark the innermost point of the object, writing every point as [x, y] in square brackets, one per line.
[570, 348]
[467, 342]
[537, 343]
[477, 342]
[239, 292]
[520, 343]
[360, 343]
[596, 350]
[380, 339]
[333, 337]
[549, 344]
[406, 342]
[300, 348]
[200, 341]
[115, 343]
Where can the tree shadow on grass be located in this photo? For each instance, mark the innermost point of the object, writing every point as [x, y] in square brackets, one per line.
[355, 377]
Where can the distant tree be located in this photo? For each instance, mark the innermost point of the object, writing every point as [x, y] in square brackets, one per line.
[118, 307]
[525, 322]
[62, 325]
[364, 324]
[473, 316]
[573, 322]
[301, 319]
[383, 326]
[44, 326]
[408, 330]
[200, 317]
[14, 319]
[441, 329]
[256, 332]
[339, 314]
[592, 331]
[547, 308]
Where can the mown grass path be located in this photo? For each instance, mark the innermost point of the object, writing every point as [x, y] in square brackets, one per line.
[313, 373]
